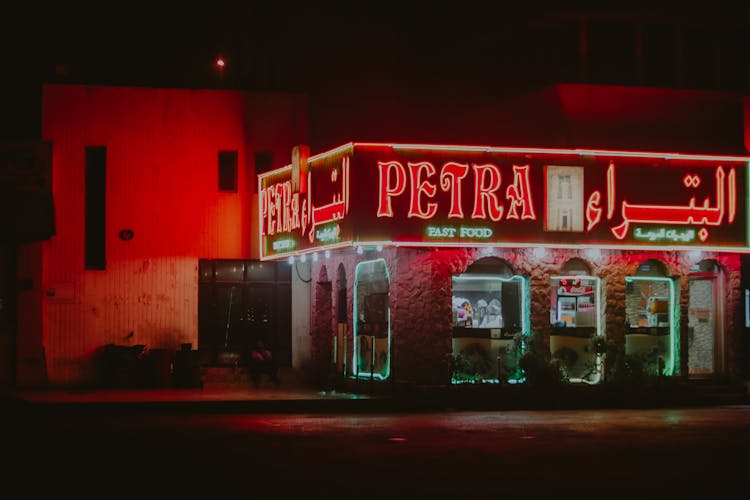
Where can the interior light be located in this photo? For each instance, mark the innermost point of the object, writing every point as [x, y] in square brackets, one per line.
[540, 252]
[328, 253]
[291, 259]
[315, 257]
[303, 257]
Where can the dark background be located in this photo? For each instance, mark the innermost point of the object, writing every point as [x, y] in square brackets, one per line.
[367, 57]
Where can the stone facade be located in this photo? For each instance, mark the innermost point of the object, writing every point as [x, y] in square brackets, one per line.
[420, 299]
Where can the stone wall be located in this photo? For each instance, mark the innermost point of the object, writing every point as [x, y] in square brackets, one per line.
[420, 298]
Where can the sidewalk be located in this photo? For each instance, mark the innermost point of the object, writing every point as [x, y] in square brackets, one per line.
[299, 399]
[271, 400]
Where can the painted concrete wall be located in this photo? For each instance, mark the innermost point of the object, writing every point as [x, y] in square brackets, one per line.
[162, 183]
[301, 307]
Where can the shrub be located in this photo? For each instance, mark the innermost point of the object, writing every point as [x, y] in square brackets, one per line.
[537, 365]
[567, 358]
[472, 364]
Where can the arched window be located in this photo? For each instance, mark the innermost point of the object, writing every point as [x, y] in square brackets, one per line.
[706, 341]
[372, 320]
[576, 316]
[490, 314]
[652, 317]
[342, 307]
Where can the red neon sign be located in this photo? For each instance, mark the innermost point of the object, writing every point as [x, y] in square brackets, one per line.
[443, 195]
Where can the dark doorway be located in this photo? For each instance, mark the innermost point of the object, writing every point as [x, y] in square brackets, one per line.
[241, 301]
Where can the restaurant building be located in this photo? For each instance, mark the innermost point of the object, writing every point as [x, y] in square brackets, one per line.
[433, 264]
[167, 226]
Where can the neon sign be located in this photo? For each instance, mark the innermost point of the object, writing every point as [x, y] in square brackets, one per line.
[458, 232]
[283, 244]
[392, 182]
[412, 195]
[664, 235]
[328, 234]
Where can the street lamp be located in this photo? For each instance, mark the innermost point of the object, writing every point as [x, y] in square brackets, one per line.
[220, 65]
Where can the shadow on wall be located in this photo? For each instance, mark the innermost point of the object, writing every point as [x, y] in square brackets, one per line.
[128, 367]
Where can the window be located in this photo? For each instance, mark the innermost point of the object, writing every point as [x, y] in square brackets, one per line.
[228, 171]
[564, 194]
[489, 305]
[576, 317]
[96, 204]
[651, 317]
[372, 333]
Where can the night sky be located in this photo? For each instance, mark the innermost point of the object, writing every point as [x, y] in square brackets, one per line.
[361, 54]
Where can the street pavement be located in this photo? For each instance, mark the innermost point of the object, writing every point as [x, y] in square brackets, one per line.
[368, 398]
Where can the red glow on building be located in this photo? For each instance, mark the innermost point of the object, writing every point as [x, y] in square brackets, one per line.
[442, 195]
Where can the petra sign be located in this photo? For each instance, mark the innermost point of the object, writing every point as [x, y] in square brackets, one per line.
[472, 196]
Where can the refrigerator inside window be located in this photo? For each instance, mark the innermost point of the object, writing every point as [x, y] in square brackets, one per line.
[573, 302]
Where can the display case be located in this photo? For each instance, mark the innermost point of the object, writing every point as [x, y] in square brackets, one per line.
[486, 310]
[573, 306]
[652, 319]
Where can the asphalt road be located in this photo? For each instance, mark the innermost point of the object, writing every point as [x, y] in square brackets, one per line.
[654, 453]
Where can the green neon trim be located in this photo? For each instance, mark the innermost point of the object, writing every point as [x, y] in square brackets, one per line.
[355, 372]
[674, 316]
[525, 311]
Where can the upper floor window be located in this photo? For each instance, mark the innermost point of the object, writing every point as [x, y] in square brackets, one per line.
[228, 171]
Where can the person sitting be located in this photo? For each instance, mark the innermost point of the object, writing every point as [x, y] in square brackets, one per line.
[262, 362]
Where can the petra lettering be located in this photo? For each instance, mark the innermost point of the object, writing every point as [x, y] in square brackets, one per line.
[423, 182]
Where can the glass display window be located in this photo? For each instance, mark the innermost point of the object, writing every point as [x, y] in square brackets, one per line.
[576, 318]
[488, 302]
[651, 318]
[574, 303]
[489, 308]
[372, 332]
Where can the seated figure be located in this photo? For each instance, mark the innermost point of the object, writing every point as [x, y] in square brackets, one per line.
[262, 362]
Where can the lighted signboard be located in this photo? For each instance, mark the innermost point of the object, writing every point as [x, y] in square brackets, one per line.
[368, 194]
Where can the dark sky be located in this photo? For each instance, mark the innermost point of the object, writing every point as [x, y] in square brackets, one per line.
[336, 51]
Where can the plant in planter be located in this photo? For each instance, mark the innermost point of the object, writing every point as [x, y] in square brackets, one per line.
[566, 357]
[537, 365]
[472, 364]
[605, 354]
[510, 358]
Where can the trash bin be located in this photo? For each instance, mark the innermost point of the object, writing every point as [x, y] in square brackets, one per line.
[159, 368]
[187, 372]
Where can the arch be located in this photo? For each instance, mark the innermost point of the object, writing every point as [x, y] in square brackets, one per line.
[321, 326]
[341, 299]
[323, 274]
[340, 346]
[706, 332]
[652, 317]
[577, 312]
[491, 265]
[652, 267]
[706, 266]
[576, 265]
[490, 305]
[371, 349]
